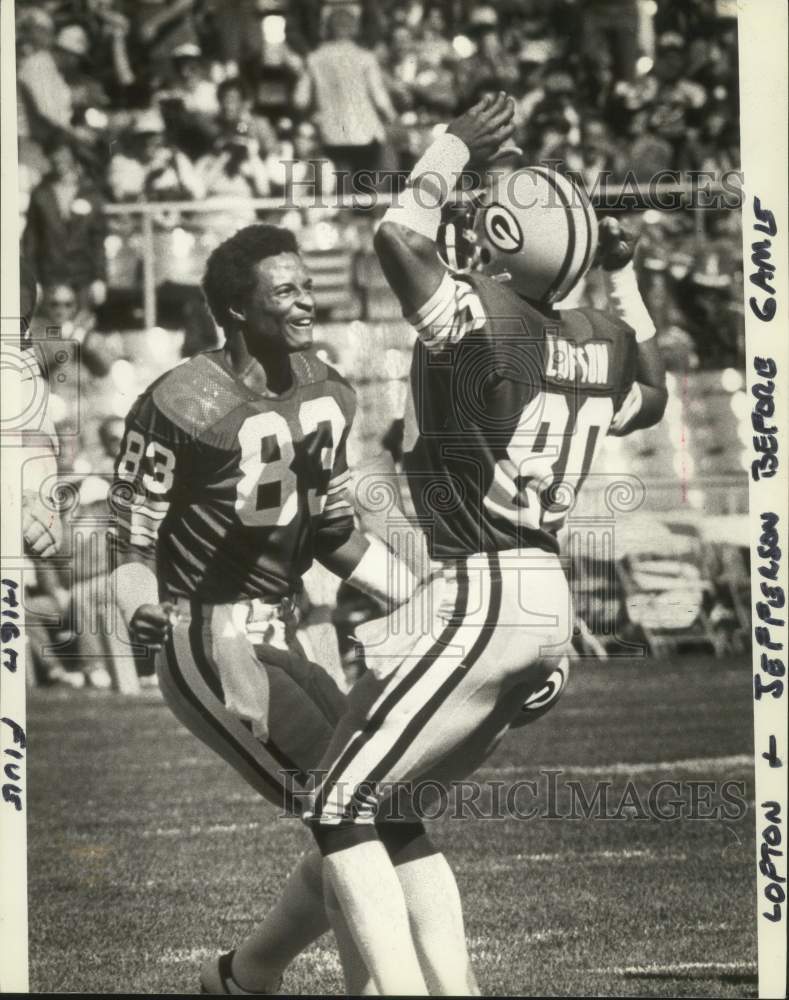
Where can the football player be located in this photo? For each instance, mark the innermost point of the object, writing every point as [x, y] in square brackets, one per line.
[512, 399]
[232, 477]
[41, 526]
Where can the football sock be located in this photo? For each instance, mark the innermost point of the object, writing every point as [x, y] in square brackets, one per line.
[299, 918]
[358, 981]
[437, 927]
[295, 922]
[369, 895]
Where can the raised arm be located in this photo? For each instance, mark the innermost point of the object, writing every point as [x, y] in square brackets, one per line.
[406, 239]
[361, 559]
[646, 402]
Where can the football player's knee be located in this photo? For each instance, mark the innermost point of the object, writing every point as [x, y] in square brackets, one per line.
[331, 838]
[405, 841]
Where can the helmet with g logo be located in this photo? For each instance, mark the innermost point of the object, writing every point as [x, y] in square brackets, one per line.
[534, 225]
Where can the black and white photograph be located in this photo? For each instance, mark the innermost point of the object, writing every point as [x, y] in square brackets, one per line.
[394, 492]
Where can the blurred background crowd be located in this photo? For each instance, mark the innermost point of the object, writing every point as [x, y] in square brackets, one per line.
[147, 129]
[196, 100]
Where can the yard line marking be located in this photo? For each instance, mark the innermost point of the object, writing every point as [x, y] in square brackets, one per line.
[693, 764]
[196, 830]
[604, 855]
[191, 955]
[230, 827]
[746, 968]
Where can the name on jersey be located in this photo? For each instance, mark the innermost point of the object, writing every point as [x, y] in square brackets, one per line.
[569, 362]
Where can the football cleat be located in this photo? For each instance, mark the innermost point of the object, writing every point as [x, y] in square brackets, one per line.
[532, 227]
[217, 977]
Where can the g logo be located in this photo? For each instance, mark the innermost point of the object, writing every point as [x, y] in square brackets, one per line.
[502, 229]
[547, 694]
[545, 697]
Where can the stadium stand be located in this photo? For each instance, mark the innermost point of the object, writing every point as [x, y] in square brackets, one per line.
[208, 115]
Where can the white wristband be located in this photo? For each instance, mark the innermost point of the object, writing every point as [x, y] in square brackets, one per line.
[429, 186]
[381, 575]
[626, 301]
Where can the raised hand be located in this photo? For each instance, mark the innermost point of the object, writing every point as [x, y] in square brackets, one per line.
[615, 244]
[486, 127]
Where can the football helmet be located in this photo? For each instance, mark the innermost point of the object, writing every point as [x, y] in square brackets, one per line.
[532, 227]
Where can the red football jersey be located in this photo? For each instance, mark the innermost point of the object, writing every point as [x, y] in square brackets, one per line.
[233, 493]
[510, 406]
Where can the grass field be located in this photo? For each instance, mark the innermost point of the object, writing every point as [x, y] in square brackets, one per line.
[147, 853]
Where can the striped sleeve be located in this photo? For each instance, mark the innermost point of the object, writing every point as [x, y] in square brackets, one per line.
[338, 492]
[336, 521]
[145, 477]
[452, 311]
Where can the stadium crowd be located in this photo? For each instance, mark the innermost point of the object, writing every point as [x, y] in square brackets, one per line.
[193, 100]
[132, 101]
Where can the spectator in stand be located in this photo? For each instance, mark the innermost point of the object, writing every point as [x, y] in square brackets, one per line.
[63, 239]
[679, 100]
[278, 70]
[528, 93]
[422, 92]
[491, 68]
[61, 310]
[400, 66]
[152, 168]
[529, 35]
[626, 99]
[189, 83]
[94, 616]
[107, 30]
[433, 48]
[300, 169]
[610, 36]
[188, 101]
[718, 146]
[231, 35]
[595, 155]
[343, 89]
[50, 628]
[157, 28]
[45, 99]
[717, 65]
[46, 611]
[647, 153]
[555, 121]
[236, 119]
[73, 46]
[235, 172]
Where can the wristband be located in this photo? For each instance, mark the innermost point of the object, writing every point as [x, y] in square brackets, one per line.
[429, 186]
[381, 575]
[626, 301]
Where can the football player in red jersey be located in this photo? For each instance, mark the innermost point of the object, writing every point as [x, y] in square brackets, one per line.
[232, 478]
[512, 399]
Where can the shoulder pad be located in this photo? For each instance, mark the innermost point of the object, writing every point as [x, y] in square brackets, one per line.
[310, 370]
[195, 395]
